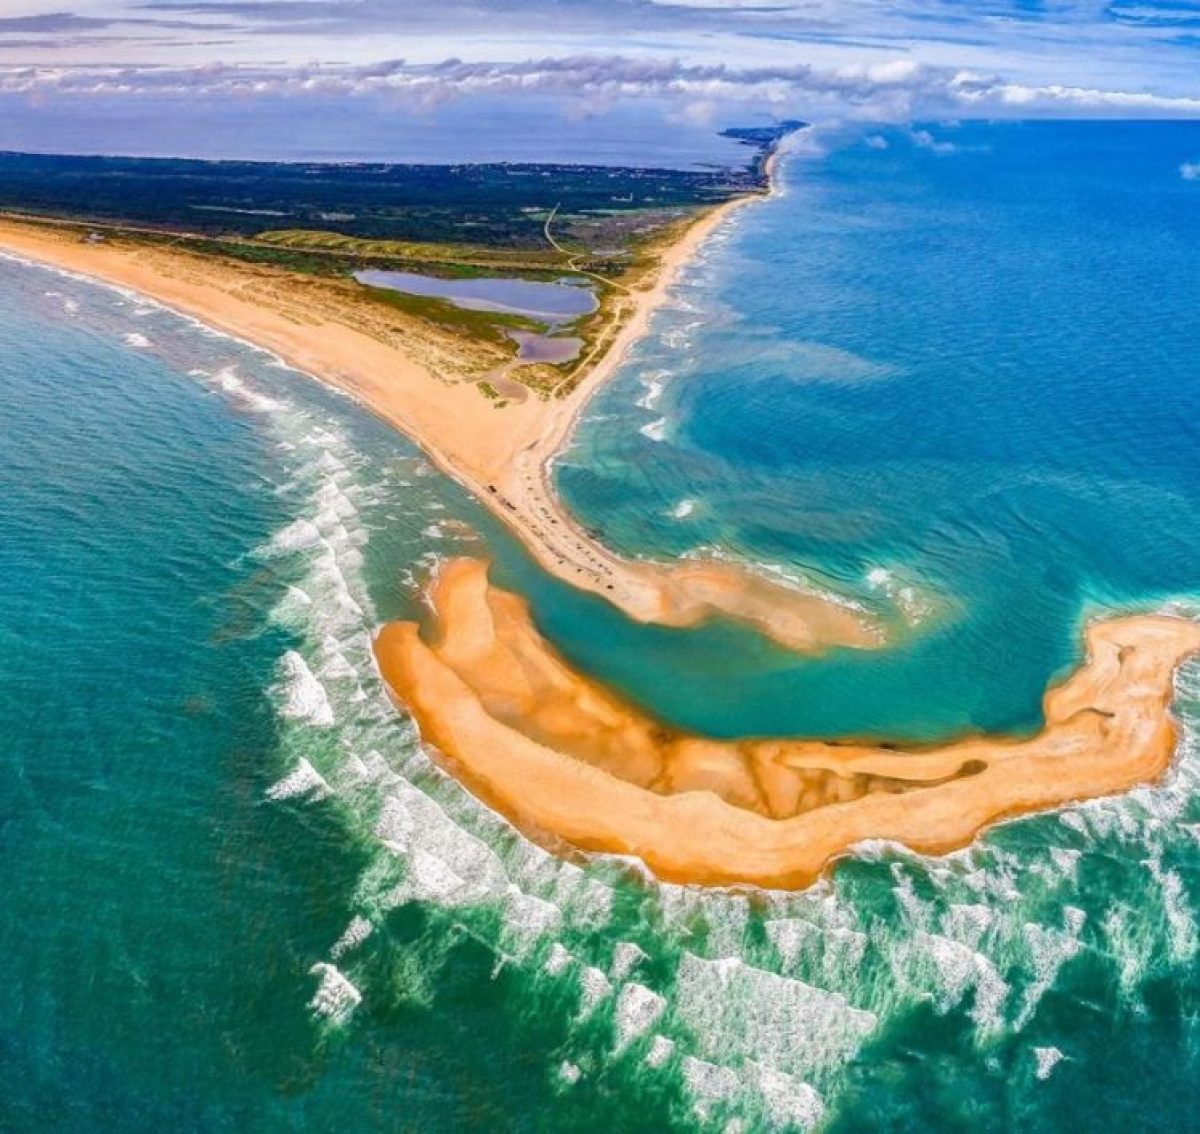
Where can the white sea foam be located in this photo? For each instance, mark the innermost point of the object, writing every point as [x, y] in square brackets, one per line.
[304, 696]
[335, 997]
[558, 960]
[1047, 1058]
[569, 1073]
[528, 919]
[655, 430]
[1181, 922]
[1066, 860]
[708, 1083]
[911, 603]
[967, 924]
[431, 878]
[138, 342]
[684, 508]
[231, 383]
[446, 864]
[626, 957]
[958, 969]
[777, 573]
[678, 339]
[661, 1050]
[355, 934]
[788, 1102]
[654, 382]
[594, 989]
[638, 1010]
[835, 951]
[296, 536]
[304, 780]
[1049, 950]
[753, 1013]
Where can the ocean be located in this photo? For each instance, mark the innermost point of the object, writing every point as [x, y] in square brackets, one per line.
[948, 372]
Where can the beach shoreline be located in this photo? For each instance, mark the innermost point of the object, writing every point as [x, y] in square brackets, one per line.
[570, 761]
[503, 456]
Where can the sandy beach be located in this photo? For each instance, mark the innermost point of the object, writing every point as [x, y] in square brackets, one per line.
[425, 385]
[570, 761]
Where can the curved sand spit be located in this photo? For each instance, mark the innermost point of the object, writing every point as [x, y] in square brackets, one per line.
[502, 455]
[566, 758]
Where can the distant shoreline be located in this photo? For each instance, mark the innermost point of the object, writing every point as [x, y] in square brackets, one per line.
[503, 456]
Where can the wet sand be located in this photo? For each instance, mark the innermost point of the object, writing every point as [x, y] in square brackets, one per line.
[569, 760]
[424, 383]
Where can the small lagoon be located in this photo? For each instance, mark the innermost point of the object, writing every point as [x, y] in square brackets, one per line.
[556, 301]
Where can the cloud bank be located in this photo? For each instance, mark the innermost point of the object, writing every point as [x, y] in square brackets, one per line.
[685, 62]
[898, 89]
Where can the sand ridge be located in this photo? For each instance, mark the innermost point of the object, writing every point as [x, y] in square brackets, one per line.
[567, 759]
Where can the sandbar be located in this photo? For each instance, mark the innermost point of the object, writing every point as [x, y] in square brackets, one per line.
[570, 761]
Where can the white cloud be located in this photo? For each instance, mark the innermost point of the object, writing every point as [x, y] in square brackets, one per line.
[924, 140]
[896, 91]
[1190, 171]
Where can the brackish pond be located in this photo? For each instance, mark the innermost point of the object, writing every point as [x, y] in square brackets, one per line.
[555, 302]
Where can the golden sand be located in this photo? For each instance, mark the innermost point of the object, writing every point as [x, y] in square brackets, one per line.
[424, 383]
[567, 759]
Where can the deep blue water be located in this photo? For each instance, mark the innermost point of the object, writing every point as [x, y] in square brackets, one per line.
[958, 386]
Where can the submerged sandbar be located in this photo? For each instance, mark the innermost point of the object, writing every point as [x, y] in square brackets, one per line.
[565, 758]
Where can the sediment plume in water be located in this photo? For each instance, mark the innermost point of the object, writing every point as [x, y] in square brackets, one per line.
[567, 759]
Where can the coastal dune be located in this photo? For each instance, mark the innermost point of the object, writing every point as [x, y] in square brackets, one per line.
[569, 760]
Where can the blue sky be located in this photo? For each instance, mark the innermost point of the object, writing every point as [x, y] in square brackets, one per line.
[405, 79]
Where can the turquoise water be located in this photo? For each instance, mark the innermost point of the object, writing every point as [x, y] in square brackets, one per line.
[956, 386]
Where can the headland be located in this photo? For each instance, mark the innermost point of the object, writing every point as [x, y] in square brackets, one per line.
[566, 759]
[428, 385]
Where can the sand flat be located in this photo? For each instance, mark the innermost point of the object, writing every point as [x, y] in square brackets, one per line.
[567, 759]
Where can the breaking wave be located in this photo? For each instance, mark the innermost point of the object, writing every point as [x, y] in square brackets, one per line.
[754, 1009]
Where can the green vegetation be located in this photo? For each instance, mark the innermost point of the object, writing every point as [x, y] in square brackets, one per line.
[331, 221]
[491, 326]
[455, 258]
[497, 206]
